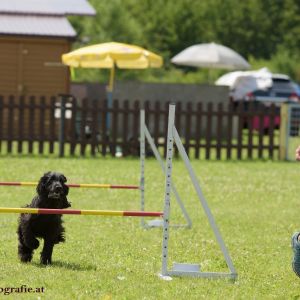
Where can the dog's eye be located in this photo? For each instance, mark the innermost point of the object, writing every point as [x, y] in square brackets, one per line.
[63, 179]
[49, 181]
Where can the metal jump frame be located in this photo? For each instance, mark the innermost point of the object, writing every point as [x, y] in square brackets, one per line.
[186, 269]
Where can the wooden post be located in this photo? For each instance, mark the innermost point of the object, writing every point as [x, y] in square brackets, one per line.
[52, 124]
[188, 122]
[21, 124]
[32, 118]
[10, 129]
[271, 130]
[252, 113]
[125, 128]
[135, 127]
[83, 124]
[198, 130]
[156, 121]
[62, 125]
[104, 129]
[261, 116]
[241, 114]
[114, 125]
[94, 127]
[220, 113]
[230, 117]
[209, 116]
[42, 124]
[283, 131]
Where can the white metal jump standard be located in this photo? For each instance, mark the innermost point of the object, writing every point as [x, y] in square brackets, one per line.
[185, 269]
[145, 136]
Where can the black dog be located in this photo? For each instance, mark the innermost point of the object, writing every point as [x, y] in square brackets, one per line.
[52, 193]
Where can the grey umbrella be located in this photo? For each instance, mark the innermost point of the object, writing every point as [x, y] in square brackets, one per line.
[211, 56]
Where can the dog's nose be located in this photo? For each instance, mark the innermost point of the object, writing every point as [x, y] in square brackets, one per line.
[58, 189]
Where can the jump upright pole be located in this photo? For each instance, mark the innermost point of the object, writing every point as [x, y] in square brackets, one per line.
[112, 213]
[142, 163]
[77, 185]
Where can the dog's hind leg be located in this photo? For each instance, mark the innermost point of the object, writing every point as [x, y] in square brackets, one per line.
[46, 254]
[60, 238]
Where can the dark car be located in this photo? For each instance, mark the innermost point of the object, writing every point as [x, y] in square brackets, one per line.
[283, 89]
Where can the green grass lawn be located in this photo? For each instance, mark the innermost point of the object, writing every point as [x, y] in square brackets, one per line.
[255, 204]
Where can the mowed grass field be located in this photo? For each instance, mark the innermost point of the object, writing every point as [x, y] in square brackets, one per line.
[255, 205]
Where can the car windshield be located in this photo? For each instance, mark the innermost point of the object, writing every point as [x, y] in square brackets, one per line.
[282, 85]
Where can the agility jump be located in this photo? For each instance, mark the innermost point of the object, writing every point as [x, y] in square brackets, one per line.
[77, 185]
[112, 213]
[179, 269]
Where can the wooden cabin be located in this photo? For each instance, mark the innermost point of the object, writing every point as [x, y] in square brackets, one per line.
[33, 36]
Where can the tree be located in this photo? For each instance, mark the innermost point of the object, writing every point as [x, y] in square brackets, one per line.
[260, 29]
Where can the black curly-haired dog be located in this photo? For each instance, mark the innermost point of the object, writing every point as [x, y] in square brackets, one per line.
[51, 193]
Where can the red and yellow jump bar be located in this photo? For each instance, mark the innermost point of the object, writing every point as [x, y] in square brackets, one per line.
[75, 185]
[48, 211]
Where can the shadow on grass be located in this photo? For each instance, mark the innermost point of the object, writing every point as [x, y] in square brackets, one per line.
[67, 265]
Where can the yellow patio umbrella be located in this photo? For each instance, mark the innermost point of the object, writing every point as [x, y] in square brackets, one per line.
[109, 55]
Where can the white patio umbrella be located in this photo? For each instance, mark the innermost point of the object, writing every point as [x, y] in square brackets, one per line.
[211, 56]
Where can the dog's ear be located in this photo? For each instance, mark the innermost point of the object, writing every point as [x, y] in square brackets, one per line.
[66, 190]
[63, 177]
[65, 187]
[41, 187]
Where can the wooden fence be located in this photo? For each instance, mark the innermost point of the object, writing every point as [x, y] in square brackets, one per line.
[32, 125]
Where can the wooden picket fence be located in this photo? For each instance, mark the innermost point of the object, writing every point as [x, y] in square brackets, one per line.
[92, 127]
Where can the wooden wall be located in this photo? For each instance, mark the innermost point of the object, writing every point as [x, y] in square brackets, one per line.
[32, 66]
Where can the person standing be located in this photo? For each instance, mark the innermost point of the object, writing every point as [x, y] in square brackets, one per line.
[296, 237]
[298, 153]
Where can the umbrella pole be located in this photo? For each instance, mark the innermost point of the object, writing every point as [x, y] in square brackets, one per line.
[109, 106]
[110, 95]
[209, 76]
[111, 79]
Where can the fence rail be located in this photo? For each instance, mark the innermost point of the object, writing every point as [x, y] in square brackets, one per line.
[34, 125]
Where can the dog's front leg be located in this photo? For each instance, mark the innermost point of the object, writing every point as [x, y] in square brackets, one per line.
[24, 252]
[29, 240]
[46, 254]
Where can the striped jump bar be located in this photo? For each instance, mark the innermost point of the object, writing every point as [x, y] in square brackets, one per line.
[46, 211]
[75, 185]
